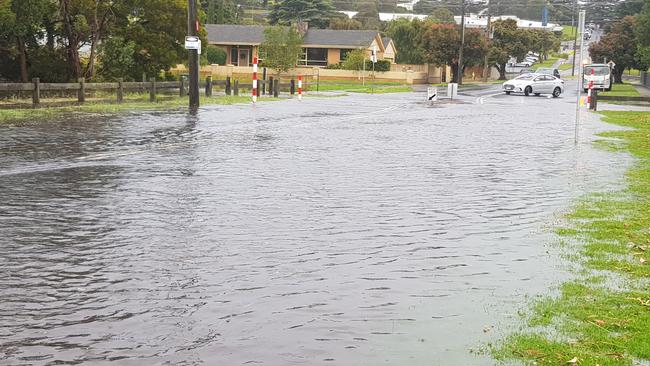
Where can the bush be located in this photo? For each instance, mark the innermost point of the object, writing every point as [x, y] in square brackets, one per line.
[215, 55]
[335, 66]
[380, 65]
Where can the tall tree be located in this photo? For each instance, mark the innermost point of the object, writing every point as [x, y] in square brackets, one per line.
[407, 36]
[24, 24]
[442, 15]
[368, 15]
[316, 12]
[221, 11]
[282, 47]
[620, 45]
[508, 41]
[345, 23]
[441, 42]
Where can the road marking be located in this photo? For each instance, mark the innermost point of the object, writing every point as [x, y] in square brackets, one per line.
[481, 100]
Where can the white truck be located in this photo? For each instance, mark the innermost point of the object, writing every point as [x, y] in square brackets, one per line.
[600, 74]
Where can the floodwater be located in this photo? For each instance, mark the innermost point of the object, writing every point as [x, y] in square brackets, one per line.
[364, 230]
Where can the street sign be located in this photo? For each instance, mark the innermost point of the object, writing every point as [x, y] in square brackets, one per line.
[192, 43]
[373, 57]
[611, 64]
[432, 94]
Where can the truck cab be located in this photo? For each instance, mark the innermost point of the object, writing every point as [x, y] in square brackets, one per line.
[599, 74]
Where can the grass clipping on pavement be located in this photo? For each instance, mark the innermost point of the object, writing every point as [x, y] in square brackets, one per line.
[603, 317]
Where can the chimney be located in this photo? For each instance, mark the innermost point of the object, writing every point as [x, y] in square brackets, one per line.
[302, 28]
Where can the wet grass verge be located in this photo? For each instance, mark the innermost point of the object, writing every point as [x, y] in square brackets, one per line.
[131, 103]
[603, 316]
[358, 87]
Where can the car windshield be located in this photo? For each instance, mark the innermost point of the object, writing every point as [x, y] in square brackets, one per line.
[597, 70]
[524, 77]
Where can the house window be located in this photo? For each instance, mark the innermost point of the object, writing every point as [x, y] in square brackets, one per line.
[234, 56]
[314, 57]
[344, 54]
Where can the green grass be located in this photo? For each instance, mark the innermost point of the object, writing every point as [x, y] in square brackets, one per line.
[592, 321]
[547, 63]
[568, 33]
[358, 87]
[134, 102]
[622, 90]
[565, 66]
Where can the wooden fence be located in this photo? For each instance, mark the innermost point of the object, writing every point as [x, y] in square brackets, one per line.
[153, 87]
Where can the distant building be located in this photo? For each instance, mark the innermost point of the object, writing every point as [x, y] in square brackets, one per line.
[322, 47]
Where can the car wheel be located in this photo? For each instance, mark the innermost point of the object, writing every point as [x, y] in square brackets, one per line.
[508, 93]
[537, 94]
[528, 90]
[556, 92]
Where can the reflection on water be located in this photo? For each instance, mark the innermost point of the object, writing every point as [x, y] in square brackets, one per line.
[380, 232]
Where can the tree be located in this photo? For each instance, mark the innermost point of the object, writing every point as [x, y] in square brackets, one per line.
[508, 41]
[407, 36]
[221, 11]
[620, 45]
[281, 48]
[157, 28]
[354, 60]
[117, 59]
[316, 12]
[345, 23]
[441, 43]
[22, 21]
[368, 15]
[442, 15]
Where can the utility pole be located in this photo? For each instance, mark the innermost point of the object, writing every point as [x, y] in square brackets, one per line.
[486, 65]
[575, 39]
[193, 30]
[581, 29]
[462, 44]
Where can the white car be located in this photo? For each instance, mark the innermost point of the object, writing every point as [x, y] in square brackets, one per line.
[534, 84]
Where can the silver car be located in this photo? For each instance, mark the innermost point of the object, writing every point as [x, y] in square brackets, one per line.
[534, 84]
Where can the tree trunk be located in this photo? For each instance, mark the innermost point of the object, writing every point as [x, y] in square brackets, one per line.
[23, 59]
[502, 71]
[454, 72]
[618, 75]
[72, 48]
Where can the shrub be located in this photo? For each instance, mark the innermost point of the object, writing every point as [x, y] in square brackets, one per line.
[215, 55]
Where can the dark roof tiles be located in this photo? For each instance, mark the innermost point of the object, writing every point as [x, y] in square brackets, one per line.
[254, 34]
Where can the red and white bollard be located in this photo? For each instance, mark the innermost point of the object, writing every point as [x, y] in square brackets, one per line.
[591, 86]
[299, 87]
[254, 79]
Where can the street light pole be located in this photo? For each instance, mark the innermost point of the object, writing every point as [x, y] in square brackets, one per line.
[193, 30]
[462, 43]
[486, 65]
[575, 39]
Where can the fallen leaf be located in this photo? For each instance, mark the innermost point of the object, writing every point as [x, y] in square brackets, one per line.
[642, 260]
[599, 322]
[573, 361]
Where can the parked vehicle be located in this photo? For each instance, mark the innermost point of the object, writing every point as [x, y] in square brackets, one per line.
[524, 64]
[600, 74]
[549, 71]
[534, 84]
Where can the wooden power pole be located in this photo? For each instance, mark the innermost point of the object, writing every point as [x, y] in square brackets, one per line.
[193, 30]
[462, 44]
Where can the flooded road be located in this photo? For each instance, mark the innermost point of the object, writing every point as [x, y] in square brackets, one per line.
[364, 230]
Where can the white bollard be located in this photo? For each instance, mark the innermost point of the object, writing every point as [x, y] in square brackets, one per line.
[452, 90]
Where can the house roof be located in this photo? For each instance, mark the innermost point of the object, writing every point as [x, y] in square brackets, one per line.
[341, 38]
[231, 34]
[386, 41]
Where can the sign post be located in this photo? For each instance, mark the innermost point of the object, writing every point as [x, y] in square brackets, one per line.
[581, 29]
[192, 40]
